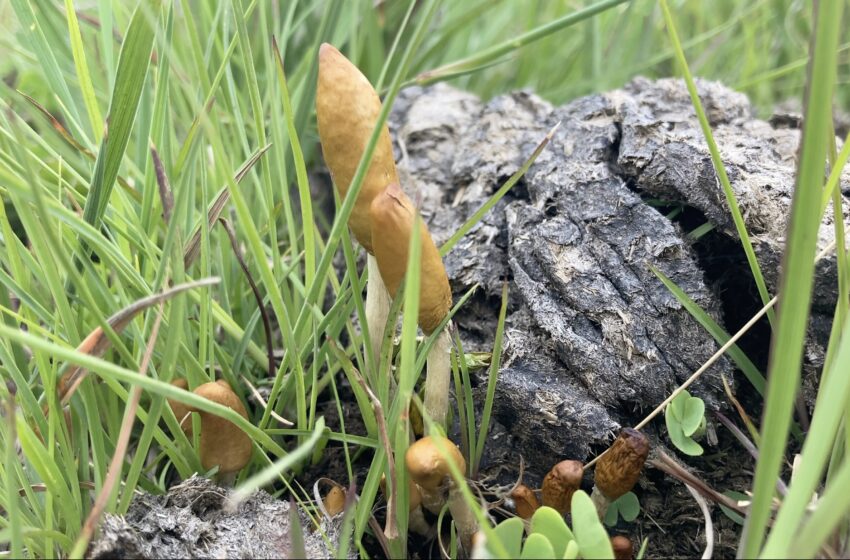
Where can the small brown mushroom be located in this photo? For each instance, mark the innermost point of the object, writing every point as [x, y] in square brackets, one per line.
[525, 502]
[560, 484]
[223, 444]
[393, 219]
[428, 461]
[334, 501]
[619, 468]
[623, 548]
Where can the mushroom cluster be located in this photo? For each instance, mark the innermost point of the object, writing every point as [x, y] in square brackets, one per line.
[383, 217]
[616, 473]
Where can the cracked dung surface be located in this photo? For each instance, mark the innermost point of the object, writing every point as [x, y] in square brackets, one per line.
[593, 339]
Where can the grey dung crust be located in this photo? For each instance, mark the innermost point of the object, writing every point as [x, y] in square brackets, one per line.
[594, 340]
[195, 520]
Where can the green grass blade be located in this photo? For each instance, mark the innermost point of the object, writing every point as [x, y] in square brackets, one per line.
[719, 168]
[797, 278]
[746, 365]
[83, 75]
[133, 63]
[488, 56]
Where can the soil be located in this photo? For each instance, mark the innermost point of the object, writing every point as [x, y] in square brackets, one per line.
[594, 340]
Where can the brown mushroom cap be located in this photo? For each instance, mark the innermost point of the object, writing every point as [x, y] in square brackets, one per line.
[426, 464]
[414, 496]
[525, 501]
[393, 216]
[623, 548]
[347, 108]
[618, 470]
[222, 442]
[560, 484]
[334, 500]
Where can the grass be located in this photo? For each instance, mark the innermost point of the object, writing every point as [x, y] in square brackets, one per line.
[225, 100]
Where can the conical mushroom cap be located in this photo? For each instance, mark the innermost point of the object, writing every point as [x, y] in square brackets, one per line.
[426, 464]
[347, 109]
[181, 410]
[393, 216]
[618, 470]
[222, 442]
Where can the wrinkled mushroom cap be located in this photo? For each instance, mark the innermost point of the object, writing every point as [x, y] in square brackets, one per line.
[222, 442]
[347, 108]
[618, 470]
[426, 464]
[525, 502]
[393, 216]
[560, 484]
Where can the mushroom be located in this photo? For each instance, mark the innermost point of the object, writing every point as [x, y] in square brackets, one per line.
[619, 468]
[560, 484]
[427, 462]
[525, 502]
[623, 548]
[347, 109]
[222, 444]
[334, 501]
[394, 216]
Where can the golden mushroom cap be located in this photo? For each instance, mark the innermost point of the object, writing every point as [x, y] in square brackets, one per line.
[427, 465]
[560, 484]
[222, 442]
[347, 109]
[393, 216]
[618, 470]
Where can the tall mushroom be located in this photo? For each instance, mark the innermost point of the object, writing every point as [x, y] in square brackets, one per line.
[393, 215]
[347, 109]
[427, 462]
[561, 483]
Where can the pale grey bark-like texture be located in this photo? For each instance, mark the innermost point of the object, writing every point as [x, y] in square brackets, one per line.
[594, 340]
[195, 520]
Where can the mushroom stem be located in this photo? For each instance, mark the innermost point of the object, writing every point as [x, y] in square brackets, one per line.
[601, 502]
[437, 379]
[377, 310]
[462, 515]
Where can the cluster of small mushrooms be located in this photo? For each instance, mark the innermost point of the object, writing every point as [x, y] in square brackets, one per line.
[615, 474]
[347, 108]
[382, 220]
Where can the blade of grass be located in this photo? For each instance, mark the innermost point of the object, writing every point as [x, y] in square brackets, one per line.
[83, 75]
[797, 272]
[717, 332]
[133, 63]
[716, 160]
[487, 56]
[492, 377]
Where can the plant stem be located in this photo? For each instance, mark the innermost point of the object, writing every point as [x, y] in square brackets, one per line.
[377, 310]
